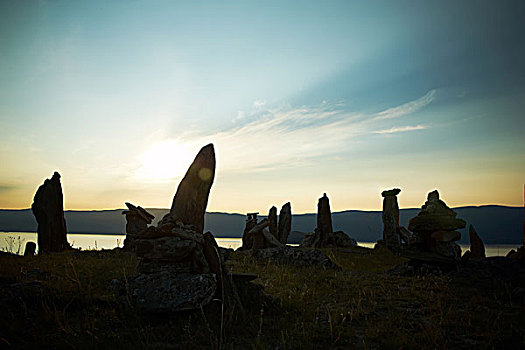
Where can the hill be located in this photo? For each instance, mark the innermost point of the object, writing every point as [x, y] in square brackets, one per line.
[495, 224]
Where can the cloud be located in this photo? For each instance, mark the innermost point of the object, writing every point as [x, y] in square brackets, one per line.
[259, 103]
[407, 108]
[286, 137]
[400, 129]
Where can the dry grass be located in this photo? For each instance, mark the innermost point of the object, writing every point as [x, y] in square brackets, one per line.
[358, 307]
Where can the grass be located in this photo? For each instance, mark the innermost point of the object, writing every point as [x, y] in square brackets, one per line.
[359, 306]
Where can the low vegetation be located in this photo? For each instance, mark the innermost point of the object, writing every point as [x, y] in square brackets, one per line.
[359, 306]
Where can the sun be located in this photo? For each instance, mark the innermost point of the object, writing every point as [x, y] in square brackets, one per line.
[166, 159]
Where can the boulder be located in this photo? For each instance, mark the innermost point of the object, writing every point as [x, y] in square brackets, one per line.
[191, 198]
[30, 249]
[285, 223]
[477, 248]
[332, 240]
[48, 208]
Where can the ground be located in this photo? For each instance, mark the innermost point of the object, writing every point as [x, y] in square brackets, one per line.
[66, 301]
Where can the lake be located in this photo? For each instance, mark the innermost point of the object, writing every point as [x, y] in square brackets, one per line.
[15, 242]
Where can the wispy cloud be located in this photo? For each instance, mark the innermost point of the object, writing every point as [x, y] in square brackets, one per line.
[400, 129]
[407, 108]
[290, 137]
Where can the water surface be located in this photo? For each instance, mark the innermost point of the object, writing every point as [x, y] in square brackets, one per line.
[15, 242]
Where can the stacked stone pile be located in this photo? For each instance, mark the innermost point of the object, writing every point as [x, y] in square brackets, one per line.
[435, 227]
[268, 233]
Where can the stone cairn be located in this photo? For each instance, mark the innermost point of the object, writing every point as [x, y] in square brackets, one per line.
[180, 267]
[48, 208]
[323, 235]
[435, 228]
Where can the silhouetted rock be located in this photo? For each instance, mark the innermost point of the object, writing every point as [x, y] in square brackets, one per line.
[332, 240]
[48, 208]
[258, 237]
[285, 223]
[435, 227]
[477, 248]
[30, 249]
[323, 237]
[180, 267]
[137, 221]
[390, 217]
[191, 198]
[324, 215]
[272, 222]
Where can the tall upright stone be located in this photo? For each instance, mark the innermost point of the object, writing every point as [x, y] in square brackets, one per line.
[390, 217]
[324, 215]
[191, 198]
[272, 222]
[477, 248]
[285, 222]
[48, 208]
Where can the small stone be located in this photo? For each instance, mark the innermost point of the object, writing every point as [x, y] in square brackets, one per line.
[30, 249]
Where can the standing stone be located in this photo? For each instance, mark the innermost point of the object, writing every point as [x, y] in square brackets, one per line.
[324, 215]
[272, 222]
[390, 216]
[285, 223]
[191, 198]
[48, 208]
[477, 248]
[30, 249]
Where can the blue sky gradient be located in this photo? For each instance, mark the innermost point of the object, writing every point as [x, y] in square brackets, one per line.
[299, 97]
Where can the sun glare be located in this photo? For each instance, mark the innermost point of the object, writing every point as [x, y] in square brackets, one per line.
[166, 160]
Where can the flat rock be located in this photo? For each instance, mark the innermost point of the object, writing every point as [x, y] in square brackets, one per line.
[446, 236]
[432, 223]
[287, 255]
[166, 291]
[392, 192]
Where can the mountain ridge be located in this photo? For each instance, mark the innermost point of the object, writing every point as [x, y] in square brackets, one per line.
[496, 224]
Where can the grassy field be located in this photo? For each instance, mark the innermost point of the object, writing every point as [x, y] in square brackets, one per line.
[359, 306]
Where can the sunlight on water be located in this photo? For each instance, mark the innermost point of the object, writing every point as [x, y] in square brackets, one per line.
[15, 242]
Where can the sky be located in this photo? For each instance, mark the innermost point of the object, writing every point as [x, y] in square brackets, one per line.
[300, 98]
